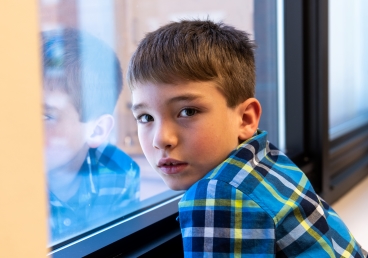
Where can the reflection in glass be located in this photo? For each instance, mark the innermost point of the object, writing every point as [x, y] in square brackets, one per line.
[90, 181]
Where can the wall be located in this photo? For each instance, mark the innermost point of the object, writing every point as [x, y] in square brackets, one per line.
[22, 186]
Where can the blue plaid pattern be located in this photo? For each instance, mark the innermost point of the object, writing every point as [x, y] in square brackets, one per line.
[257, 203]
[109, 188]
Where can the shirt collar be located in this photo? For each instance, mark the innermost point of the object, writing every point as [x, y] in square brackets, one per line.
[257, 144]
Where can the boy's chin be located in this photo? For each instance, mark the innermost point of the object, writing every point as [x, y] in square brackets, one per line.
[177, 186]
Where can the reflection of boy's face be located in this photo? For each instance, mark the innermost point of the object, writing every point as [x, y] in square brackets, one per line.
[65, 142]
[185, 130]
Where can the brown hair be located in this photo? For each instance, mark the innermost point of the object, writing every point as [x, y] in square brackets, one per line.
[197, 51]
[83, 67]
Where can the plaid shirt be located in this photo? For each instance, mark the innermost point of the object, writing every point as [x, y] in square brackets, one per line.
[257, 203]
[109, 186]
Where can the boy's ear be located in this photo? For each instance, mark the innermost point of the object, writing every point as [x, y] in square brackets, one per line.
[99, 130]
[250, 111]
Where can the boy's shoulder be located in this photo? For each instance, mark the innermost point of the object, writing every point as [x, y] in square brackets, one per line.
[109, 186]
[113, 175]
[259, 170]
[259, 191]
[112, 160]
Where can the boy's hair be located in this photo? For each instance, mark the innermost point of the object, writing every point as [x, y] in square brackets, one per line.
[83, 67]
[195, 50]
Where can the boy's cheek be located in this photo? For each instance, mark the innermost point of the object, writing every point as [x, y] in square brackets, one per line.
[56, 158]
[55, 139]
[145, 142]
[56, 148]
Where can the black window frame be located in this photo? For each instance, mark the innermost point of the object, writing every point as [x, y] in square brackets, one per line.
[336, 165]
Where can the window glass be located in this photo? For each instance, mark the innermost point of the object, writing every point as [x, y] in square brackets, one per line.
[96, 170]
[348, 61]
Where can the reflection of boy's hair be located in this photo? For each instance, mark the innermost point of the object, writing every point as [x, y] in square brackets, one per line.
[220, 54]
[85, 68]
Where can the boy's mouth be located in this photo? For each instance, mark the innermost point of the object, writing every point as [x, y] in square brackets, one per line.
[171, 166]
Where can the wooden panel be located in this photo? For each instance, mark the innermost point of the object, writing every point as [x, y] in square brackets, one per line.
[22, 184]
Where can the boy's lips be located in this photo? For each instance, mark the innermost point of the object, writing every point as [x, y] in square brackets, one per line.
[171, 166]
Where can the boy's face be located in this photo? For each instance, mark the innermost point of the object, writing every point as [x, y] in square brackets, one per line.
[65, 141]
[185, 130]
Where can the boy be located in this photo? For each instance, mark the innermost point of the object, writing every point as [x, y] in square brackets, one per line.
[192, 86]
[90, 181]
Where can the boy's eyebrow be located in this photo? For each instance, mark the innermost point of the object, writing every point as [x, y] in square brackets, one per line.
[184, 97]
[138, 106]
[48, 107]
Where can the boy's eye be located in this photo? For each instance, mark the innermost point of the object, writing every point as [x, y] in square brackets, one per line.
[145, 118]
[188, 112]
[47, 117]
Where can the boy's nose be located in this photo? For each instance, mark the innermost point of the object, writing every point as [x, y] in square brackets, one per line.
[164, 137]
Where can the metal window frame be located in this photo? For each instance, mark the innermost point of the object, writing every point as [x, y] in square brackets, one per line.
[334, 165]
[110, 234]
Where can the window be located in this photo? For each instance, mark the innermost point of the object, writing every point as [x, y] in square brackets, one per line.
[98, 177]
[348, 57]
[347, 93]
